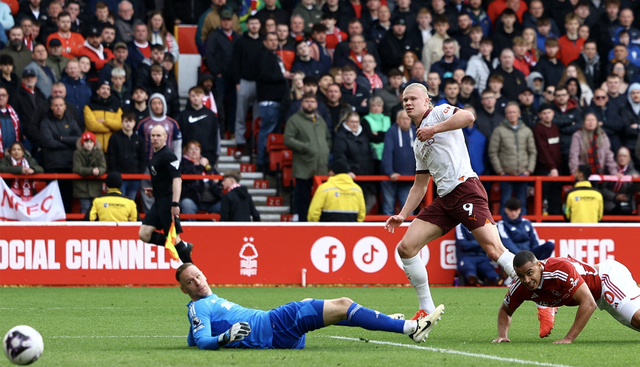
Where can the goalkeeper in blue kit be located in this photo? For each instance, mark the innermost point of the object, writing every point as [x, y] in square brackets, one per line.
[216, 322]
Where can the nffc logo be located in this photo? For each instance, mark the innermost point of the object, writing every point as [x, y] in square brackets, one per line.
[328, 254]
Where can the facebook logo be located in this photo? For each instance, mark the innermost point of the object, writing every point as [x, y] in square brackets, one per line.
[328, 254]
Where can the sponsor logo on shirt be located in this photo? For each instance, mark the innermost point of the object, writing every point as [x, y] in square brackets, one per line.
[196, 119]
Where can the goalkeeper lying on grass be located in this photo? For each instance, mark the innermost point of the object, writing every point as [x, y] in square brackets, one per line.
[216, 322]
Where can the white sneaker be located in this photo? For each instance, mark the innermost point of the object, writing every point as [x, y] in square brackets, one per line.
[397, 316]
[425, 324]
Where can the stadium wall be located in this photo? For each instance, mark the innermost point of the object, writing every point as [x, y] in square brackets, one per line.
[256, 254]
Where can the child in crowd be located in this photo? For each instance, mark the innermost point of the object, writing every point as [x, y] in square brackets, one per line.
[88, 160]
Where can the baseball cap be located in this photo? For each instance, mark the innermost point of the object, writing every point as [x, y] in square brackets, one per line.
[545, 106]
[28, 72]
[93, 31]
[55, 43]
[399, 21]
[88, 136]
[226, 14]
[120, 45]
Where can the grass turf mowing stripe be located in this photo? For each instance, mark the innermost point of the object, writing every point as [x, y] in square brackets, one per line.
[452, 351]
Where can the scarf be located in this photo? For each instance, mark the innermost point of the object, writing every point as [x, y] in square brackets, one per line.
[210, 102]
[354, 58]
[231, 188]
[618, 185]
[21, 186]
[16, 128]
[169, 43]
[374, 80]
[592, 151]
[98, 51]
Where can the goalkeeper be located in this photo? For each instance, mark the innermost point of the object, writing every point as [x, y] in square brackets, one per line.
[216, 322]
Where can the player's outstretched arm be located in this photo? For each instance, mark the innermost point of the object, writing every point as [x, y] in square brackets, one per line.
[457, 121]
[504, 321]
[416, 194]
[586, 306]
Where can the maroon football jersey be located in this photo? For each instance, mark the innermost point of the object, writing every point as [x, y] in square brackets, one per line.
[561, 278]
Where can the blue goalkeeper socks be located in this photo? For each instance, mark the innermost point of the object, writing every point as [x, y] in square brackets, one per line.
[371, 320]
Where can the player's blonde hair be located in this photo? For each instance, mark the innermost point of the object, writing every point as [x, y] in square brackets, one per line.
[420, 87]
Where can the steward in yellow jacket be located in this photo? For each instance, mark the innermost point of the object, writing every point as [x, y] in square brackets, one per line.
[113, 206]
[339, 199]
[103, 115]
[584, 203]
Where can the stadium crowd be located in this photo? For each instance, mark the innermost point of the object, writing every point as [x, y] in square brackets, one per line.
[553, 85]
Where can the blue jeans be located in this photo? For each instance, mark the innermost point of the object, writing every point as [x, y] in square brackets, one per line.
[269, 112]
[227, 88]
[85, 205]
[188, 206]
[391, 191]
[302, 198]
[130, 188]
[515, 188]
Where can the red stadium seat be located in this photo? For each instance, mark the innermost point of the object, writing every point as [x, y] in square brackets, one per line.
[275, 142]
[287, 177]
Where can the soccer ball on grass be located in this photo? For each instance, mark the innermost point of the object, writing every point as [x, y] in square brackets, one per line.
[23, 345]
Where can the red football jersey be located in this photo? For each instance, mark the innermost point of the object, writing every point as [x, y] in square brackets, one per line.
[561, 278]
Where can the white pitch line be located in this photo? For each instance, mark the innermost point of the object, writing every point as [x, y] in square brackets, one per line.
[112, 336]
[452, 351]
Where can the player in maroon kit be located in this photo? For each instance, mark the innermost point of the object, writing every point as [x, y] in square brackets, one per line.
[556, 282]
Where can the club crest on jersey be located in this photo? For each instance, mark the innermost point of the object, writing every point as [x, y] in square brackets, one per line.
[175, 164]
[195, 321]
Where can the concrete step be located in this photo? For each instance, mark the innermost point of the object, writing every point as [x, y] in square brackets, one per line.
[224, 167]
[227, 142]
[262, 192]
[259, 200]
[273, 209]
[230, 159]
[270, 217]
[252, 176]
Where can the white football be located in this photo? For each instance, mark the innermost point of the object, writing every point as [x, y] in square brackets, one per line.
[23, 345]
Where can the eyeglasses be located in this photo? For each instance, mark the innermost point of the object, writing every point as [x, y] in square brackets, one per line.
[600, 97]
[548, 91]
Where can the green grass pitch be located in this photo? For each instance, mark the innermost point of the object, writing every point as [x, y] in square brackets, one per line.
[147, 327]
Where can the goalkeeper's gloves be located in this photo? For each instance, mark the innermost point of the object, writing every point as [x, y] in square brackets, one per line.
[236, 333]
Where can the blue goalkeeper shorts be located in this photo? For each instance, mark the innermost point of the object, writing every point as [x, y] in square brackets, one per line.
[292, 321]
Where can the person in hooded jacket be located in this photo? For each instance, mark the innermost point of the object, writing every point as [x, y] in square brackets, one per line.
[630, 115]
[339, 199]
[518, 233]
[88, 160]
[103, 115]
[198, 123]
[237, 204]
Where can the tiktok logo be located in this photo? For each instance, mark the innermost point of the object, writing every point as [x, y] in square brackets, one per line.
[370, 254]
[328, 254]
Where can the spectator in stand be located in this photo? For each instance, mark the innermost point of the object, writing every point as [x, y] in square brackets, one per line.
[381, 26]
[488, 117]
[304, 134]
[583, 204]
[124, 22]
[423, 30]
[310, 13]
[626, 19]
[375, 125]
[318, 47]
[344, 48]
[58, 136]
[17, 50]
[619, 197]
[630, 116]
[45, 76]
[462, 34]
[549, 94]
[11, 129]
[570, 45]
[139, 105]
[569, 120]
[139, 49]
[127, 154]
[480, 66]
[101, 14]
[520, 51]
[572, 71]
[512, 151]
[165, 87]
[633, 50]
[549, 163]
[590, 145]
[120, 52]
[202, 194]
[496, 84]
[297, 27]
[612, 86]
[390, 93]
[246, 53]
[408, 59]
[505, 32]
[528, 112]
[88, 160]
[26, 103]
[73, 8]
[304, 63]
[158, 35]
[621, 55]
[451, 92]
[211, 21]
[113, 206]
[549, 66]
[143, 75]
[536, 12]
[85, 67]
[397, 160]
[96, 52]
[9, 79]
[198, 123]
[608, 118]
[518, 233]
[72, 42]
[473, 264]
[353, 94]
[449, 62]
[55, 60]
[49, 21]
[334, 34]
[118, 88]
[108, 36]
[395, 43]
[237, 204]
[272, 86]
[310, 85]
[18, 161]
[589, 62]
[339, 199]
[476, 144]
[59, 90]
[432, 51]
[406, 9]
[369, 79]
[544, 31]
[479, 16]
[352, 144]
[336, 106]
[103, 115]
[514, 81]
[354, 54]
[341, 12]
[473, 46]
[271, 11]
[26, 26]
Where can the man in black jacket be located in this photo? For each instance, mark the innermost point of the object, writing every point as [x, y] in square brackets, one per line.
[245, 73]
[127, 154]
[395, 44]
[163, 86]
[272, 87]
[26, 103]
[591, 65]
[200, 124]
[237, 204]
